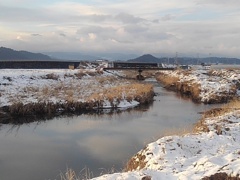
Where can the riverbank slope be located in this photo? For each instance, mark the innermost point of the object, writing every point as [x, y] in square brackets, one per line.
[211, 150]
[48, 93]
[202, 85]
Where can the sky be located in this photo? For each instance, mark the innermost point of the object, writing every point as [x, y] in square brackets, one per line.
[186, 27]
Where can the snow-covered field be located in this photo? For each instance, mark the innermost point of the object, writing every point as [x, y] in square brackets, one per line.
[59, 85]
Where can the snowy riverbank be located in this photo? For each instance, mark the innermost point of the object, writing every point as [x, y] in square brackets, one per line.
[207, 86]
[212, 150]
[26, 92]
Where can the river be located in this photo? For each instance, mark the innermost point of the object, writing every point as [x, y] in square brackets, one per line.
[100, 143]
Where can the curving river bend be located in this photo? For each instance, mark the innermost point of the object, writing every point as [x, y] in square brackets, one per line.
[101, 143]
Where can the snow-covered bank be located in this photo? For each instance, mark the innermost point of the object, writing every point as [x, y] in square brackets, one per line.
[213, 152]
[207, 86]
[25, 91]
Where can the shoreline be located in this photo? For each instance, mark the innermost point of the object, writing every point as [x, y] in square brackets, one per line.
[211, 151]
[35, 95]
[203, 86]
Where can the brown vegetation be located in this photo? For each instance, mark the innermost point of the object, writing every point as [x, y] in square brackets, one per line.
[201, 126]
[186, 88]
[193, 90]
[221, 176]
[43, 109]
[132, 74]
[142, 93]
[137, 162]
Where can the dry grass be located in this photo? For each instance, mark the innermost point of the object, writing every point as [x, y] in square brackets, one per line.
[221, 176]
[177, 131]
[84, 174]
[201, 126]
[50, 76]
[137, 162]
[142, 93]
[226, 108]
[30, 89]
[167, 80]
[69, 175]
[108, 80]
[187, 88]
[132, 74]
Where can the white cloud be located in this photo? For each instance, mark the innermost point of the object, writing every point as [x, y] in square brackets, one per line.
[131, 26]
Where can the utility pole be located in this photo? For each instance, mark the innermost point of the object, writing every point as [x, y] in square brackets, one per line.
[197, 58]
[176, 59]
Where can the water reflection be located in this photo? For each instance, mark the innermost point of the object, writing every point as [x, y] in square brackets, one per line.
[42, 150]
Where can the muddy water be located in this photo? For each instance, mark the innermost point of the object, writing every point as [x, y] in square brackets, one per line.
[101, 143]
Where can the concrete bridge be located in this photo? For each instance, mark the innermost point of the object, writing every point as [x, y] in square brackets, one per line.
[136, 66]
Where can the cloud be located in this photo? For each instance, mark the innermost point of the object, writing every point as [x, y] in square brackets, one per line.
[167, 17]
[36, 35]
[62, 34]
[128, 18]
[134, 26]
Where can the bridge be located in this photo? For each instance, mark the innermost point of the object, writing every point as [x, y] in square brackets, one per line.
[136, 66]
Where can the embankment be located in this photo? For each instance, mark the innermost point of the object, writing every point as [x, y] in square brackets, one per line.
[210, 151]
[209, 87]
[30, 95]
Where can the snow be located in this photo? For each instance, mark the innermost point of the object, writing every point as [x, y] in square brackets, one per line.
[218, 82]
[56, 85]
[192, 156]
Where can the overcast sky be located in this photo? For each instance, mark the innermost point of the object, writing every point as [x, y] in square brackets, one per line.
[189, 27]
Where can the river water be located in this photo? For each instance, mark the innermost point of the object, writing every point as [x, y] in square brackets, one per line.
[99, 143]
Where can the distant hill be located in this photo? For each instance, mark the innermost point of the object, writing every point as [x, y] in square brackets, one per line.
[147, 58]
[10, 54]
[89, 57]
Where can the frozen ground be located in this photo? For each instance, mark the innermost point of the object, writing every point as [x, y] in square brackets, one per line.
[191, 156]
[59, 85]
[214, 84]
[194, 155]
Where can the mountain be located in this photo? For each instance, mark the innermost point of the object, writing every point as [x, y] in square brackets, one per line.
[71, 56]
[10, 54]
[89, 57]
[147, 58]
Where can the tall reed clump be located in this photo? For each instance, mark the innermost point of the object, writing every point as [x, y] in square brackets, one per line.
[143, 93]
